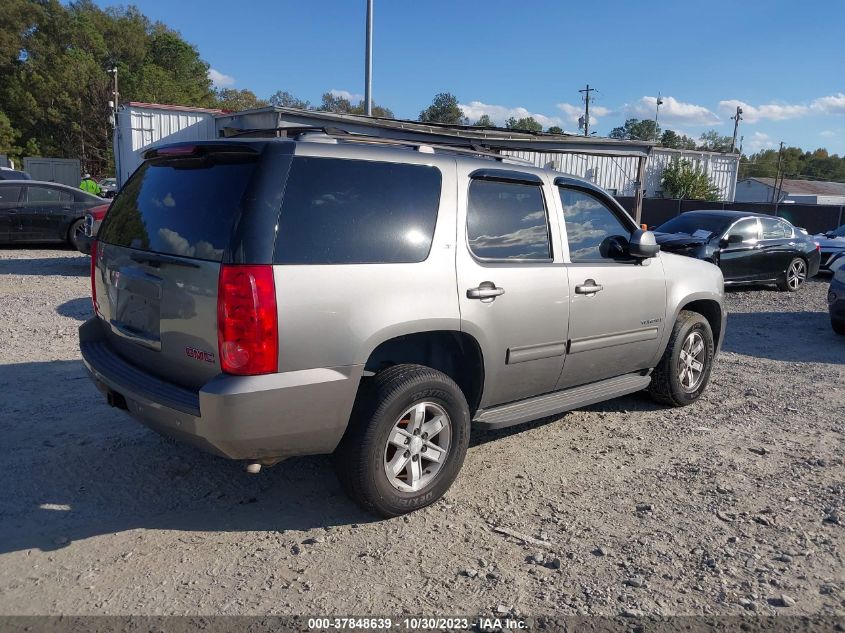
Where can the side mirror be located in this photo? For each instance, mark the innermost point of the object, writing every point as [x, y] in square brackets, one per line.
[643, 244]
[729, 240]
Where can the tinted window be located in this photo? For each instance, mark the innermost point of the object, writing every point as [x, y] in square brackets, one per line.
[507, 221]
[47, 195]
[9, 194]
[180, 207]
[689, 223]
[355, 212]
[747, 229]
[775, 229]
[592, 229]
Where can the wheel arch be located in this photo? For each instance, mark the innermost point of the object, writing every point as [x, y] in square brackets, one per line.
[455, 353]
[711, 310]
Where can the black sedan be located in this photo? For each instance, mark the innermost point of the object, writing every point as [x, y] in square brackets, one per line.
[750, 248]
[34, 211]
[832, 246]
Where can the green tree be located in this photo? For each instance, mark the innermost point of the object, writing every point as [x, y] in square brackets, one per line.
[284, 99]
[485, 121]
[673, 140]
[686, 181]
[237, 100]
[342, 105]
[637, 130]
[444, 108]
[55, 87]
[712, 141]
[555, 129]
[525, 123]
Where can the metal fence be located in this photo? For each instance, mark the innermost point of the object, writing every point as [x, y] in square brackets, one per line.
[816, 218]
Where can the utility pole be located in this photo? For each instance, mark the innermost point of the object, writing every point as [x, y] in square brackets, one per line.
[115, 93]
[775, 194]
[737, 118]
[586, 91]
[657, 114]
[368, 62]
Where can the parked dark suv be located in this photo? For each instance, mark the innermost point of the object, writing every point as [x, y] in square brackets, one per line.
[268, 298]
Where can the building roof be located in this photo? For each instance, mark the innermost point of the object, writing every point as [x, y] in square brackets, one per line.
[500, 138]
[179, 108]
[806, 187]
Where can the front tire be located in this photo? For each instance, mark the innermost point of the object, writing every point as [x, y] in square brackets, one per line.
[684, 371]
[406, 440]
[794, 276]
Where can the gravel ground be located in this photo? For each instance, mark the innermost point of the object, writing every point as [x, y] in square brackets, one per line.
[735, 505]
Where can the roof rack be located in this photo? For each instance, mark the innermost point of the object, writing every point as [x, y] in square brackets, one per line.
[353, 137]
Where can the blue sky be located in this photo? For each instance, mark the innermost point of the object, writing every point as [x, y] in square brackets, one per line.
[782, 60]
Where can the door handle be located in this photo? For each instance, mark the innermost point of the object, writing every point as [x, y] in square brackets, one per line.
[486, 291]
[589, 287]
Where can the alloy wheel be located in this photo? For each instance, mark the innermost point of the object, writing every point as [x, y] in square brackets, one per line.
[691, 362]
[417, 447]
[796, 274]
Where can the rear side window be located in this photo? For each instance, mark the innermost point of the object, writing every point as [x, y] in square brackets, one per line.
[775, 229]
[507, 220]
[48, 195]
[184, 207]
[338, 211]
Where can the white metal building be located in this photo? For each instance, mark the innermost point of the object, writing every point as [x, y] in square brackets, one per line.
[795, 191]
[141, 126]
[625, 168]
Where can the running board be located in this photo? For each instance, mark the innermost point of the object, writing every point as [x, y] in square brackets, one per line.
[559, 401]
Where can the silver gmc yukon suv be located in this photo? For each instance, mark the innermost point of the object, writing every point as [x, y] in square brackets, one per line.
[263, 298]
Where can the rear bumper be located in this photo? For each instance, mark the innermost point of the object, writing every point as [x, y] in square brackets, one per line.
[239, 417]
[813, 263]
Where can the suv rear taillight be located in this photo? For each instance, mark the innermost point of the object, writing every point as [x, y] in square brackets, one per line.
[247, 326]
[94, 277]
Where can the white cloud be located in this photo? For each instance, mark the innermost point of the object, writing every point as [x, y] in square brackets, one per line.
[351, 97]
[573, 112]
[672, 112]
[500, 114]
[828, 133]
[833, 104]
[769, 111]
[219, 79]
[758, 141]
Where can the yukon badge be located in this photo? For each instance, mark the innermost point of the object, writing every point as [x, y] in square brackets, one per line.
[198, 354]
[652, 321]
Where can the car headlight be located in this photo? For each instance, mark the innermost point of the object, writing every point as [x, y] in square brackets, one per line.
[839, 275]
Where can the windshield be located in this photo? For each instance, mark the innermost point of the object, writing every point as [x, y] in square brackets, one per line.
[840, 232]
[689, 223]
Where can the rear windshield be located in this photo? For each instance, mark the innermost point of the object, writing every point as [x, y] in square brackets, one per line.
[183, 206]
[689, 224]
[339, 211]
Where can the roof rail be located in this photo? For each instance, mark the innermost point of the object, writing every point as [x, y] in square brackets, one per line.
[353, 137]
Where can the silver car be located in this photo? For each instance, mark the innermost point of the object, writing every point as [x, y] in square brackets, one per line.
[333, 294]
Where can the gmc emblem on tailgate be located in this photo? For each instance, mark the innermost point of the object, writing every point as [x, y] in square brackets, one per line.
[191, 352]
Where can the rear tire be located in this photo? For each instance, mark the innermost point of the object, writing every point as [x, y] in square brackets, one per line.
[77, 229]
[684, 371]
[434, 411]
[838, 326]
[794, 276]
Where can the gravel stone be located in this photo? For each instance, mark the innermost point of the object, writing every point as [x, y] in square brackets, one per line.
[72, 466]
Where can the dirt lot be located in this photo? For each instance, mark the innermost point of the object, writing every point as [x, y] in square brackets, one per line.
[734, 505]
